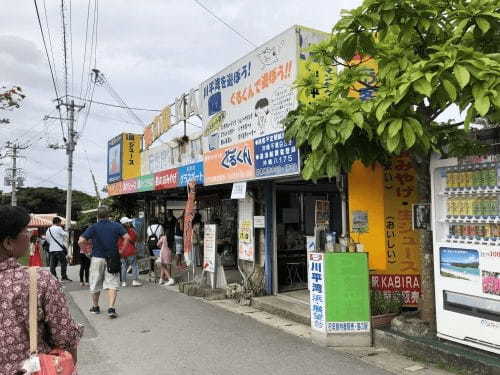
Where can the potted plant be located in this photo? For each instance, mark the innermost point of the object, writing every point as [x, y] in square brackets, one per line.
[385, 307]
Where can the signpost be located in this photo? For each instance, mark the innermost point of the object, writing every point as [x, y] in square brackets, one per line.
[340, 299]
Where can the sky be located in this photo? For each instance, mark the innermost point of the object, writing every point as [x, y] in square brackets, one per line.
[150, 53]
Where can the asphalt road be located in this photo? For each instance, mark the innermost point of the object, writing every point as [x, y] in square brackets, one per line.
[163, 332]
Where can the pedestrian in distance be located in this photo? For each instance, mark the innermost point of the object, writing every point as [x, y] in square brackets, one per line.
[153, 233]
[85, 255]
[179, 243]
[165, 261]
[105, 265]
[57, 329]
[57, 237]
[128, 253]
[35, 259]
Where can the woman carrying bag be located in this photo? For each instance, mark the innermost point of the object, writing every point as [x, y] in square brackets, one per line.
[55, 329]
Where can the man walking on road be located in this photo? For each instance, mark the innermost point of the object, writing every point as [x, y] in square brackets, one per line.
[56, 237]
[104, 235]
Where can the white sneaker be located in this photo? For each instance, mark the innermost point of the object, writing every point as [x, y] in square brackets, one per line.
[124, 284]
[136, 283]
[170, 282]
[161, 282]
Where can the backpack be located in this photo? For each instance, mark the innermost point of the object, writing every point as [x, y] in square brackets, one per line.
[153, 239]
[46, 246]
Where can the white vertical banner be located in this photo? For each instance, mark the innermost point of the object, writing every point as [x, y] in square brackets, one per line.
[246, 242]
[209, 247]
[317, 294]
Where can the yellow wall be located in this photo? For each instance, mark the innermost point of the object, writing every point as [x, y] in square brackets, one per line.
[366, 193]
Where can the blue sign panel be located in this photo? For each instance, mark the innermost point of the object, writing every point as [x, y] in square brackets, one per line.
[115, 159]
[274, 156]
[190, 172]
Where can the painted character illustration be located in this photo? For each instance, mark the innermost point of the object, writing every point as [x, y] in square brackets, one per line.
[261, 112]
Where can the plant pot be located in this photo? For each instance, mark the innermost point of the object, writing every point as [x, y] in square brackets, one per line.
[383, 320]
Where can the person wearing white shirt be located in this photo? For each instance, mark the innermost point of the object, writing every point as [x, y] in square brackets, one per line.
[56, 237]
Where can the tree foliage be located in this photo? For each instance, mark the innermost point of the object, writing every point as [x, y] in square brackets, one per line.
[10, 98]
[431, 55]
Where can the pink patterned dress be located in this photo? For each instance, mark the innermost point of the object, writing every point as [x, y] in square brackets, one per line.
[54, 318]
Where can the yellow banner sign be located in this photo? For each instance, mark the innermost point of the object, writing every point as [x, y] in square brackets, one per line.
[131, 155]
[158, 127]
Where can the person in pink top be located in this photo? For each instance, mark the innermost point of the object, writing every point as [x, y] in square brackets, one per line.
[56, 328]
[165, 262]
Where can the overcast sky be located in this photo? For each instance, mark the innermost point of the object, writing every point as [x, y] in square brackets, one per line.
[150, 51]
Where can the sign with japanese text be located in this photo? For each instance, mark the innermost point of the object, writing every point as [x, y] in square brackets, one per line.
[129, 186]
[190, 172]
[246, 243]
[316, 277]
[209, 247]
[115, 159]
[347, 293]
[115, 189]
[402, 242]
[166, 179]
[131, 155]
[274, 156]
[239, 190]
[233, 163]
[248, 100]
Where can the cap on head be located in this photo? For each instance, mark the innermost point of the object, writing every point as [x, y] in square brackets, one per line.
[125, 220]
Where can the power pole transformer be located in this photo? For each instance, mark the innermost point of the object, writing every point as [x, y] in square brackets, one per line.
[14, 175]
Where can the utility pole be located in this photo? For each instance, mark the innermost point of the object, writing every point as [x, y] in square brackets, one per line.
[13, 177]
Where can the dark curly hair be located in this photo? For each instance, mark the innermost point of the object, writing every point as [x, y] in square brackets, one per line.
[12, 221]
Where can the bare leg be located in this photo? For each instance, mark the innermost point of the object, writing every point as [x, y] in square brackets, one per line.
[95, 298]
[112, 297]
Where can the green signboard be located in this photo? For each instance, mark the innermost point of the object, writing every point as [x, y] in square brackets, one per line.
[146, 183]
[347, 288]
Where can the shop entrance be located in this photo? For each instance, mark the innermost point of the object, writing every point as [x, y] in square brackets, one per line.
[296, 219]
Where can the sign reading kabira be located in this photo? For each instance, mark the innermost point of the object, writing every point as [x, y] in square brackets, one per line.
[209, 247]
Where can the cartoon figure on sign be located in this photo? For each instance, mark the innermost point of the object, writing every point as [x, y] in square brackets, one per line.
[261, 112]
[269, 55]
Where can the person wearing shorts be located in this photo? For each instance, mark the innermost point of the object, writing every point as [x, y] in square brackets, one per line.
[104, 235]
[165, 262]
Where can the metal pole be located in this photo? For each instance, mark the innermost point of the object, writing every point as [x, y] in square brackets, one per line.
[13, 197]
[70, 147]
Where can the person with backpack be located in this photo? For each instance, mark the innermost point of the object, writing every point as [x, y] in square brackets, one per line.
[105, 265]
[128, 253]
[153, 233]
[57, 237]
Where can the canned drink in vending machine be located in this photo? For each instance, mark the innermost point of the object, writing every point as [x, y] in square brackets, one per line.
[468, 178]
[492, 176]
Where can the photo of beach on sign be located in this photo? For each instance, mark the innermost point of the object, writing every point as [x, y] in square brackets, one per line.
[459, 263]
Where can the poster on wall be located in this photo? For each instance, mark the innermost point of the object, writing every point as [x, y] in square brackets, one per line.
[230, 164]
[246, 243]
[209, 247]
[115, 159]
[402, 243]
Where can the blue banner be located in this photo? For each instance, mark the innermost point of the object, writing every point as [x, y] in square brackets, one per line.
[274, 156]
[190, 172]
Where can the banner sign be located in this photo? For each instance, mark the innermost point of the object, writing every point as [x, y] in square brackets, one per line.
[190, 172]
[129, 186]
[166, 179]
[131, 156]
[316, 276]
[115, 189]
[158, 127]
[115, 159]
[233, 163]
[402, 242]
[146, 183]
[246, 242]
[274, 156]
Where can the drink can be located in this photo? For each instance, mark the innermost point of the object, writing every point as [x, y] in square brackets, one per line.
[484, 207]
[493, 206]
[483, 182]
[459, 230]
[487, 231]
[492, 176]
[468, 178]
[476, 178]
[448, 179]
[461, 179]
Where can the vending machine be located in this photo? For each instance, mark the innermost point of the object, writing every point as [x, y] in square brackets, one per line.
[466, 233]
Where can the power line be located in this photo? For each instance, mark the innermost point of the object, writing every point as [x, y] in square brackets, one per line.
[50, 65]
[64, 50]
[71, 48]
[49, 37]
[115, 105]
[225, 23]
[85, 46]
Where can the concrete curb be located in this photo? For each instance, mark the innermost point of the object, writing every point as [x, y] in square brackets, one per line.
[449, 355]
[288, 310]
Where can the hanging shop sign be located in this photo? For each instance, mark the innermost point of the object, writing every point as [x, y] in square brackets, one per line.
[129, 186]
[401, 241]
[190, 172]
[115, 159]
[115, 189]
[239, 190]
[233, 163]
[131, 155]
[259, 222]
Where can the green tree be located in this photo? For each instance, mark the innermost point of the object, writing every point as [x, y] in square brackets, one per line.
[432, 55]
[10, 98]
